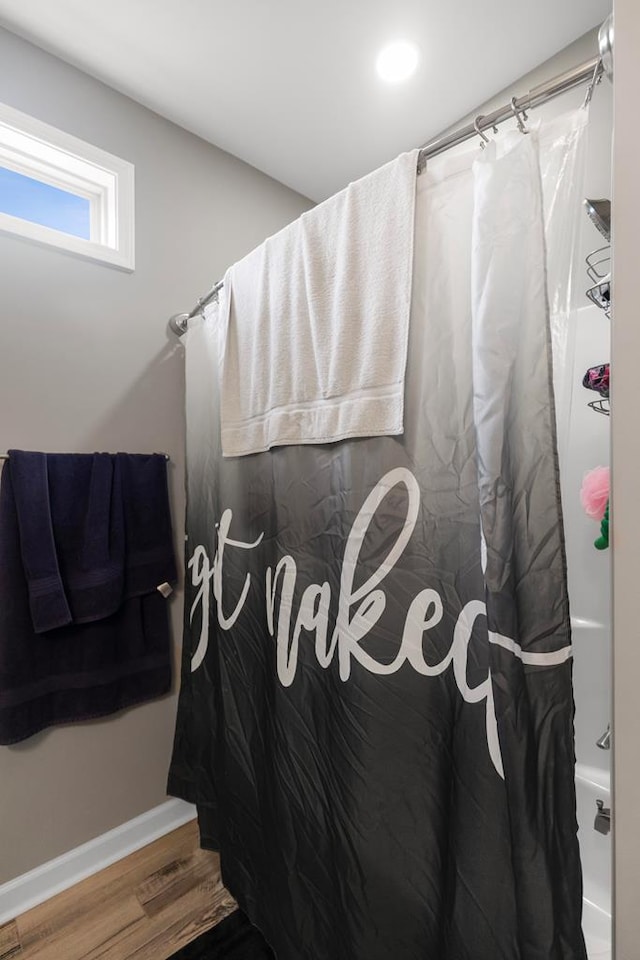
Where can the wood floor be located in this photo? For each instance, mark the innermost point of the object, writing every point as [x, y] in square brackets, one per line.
[144, 907]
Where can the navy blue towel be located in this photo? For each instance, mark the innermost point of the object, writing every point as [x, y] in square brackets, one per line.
[85, 540]
[94, 530]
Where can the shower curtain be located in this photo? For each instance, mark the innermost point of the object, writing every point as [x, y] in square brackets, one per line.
[376, 714]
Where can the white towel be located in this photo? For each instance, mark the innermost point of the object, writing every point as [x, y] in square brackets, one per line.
[315, 321]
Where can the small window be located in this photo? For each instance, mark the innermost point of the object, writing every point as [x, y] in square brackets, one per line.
[39, 202]
[63, 192]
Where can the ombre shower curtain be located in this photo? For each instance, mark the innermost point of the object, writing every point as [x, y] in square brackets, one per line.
[376, 713]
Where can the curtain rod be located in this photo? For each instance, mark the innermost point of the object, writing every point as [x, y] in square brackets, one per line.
[591, 71]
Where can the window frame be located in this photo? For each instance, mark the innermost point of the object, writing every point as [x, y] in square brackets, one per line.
[38, 150]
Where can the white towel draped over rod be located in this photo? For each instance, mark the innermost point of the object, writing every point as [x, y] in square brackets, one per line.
[591, 72]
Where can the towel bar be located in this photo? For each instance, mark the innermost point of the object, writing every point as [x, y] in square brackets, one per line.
[5, 456]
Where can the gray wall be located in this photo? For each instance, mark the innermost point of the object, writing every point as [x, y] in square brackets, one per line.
[86, 364]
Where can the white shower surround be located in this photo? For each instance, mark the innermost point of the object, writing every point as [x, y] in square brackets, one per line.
[595, 851]
[587, 446]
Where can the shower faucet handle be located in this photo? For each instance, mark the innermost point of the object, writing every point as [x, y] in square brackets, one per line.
[602, 822]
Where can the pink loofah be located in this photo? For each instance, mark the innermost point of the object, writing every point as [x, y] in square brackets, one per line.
[595, 492]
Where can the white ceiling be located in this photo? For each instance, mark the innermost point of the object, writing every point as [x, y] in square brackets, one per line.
[290, 85]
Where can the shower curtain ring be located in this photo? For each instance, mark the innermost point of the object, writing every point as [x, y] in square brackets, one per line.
[520, 115]
[476, 124]
[595, 80]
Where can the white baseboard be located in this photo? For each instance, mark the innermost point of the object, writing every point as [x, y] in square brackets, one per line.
[53, 877]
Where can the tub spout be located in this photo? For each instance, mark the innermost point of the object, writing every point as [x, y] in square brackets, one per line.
[604, 742]
[602, 823]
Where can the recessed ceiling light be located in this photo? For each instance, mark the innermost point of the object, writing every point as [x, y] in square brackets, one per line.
[397, 61]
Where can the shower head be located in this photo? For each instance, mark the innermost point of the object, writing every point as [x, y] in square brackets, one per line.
[599, 212]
